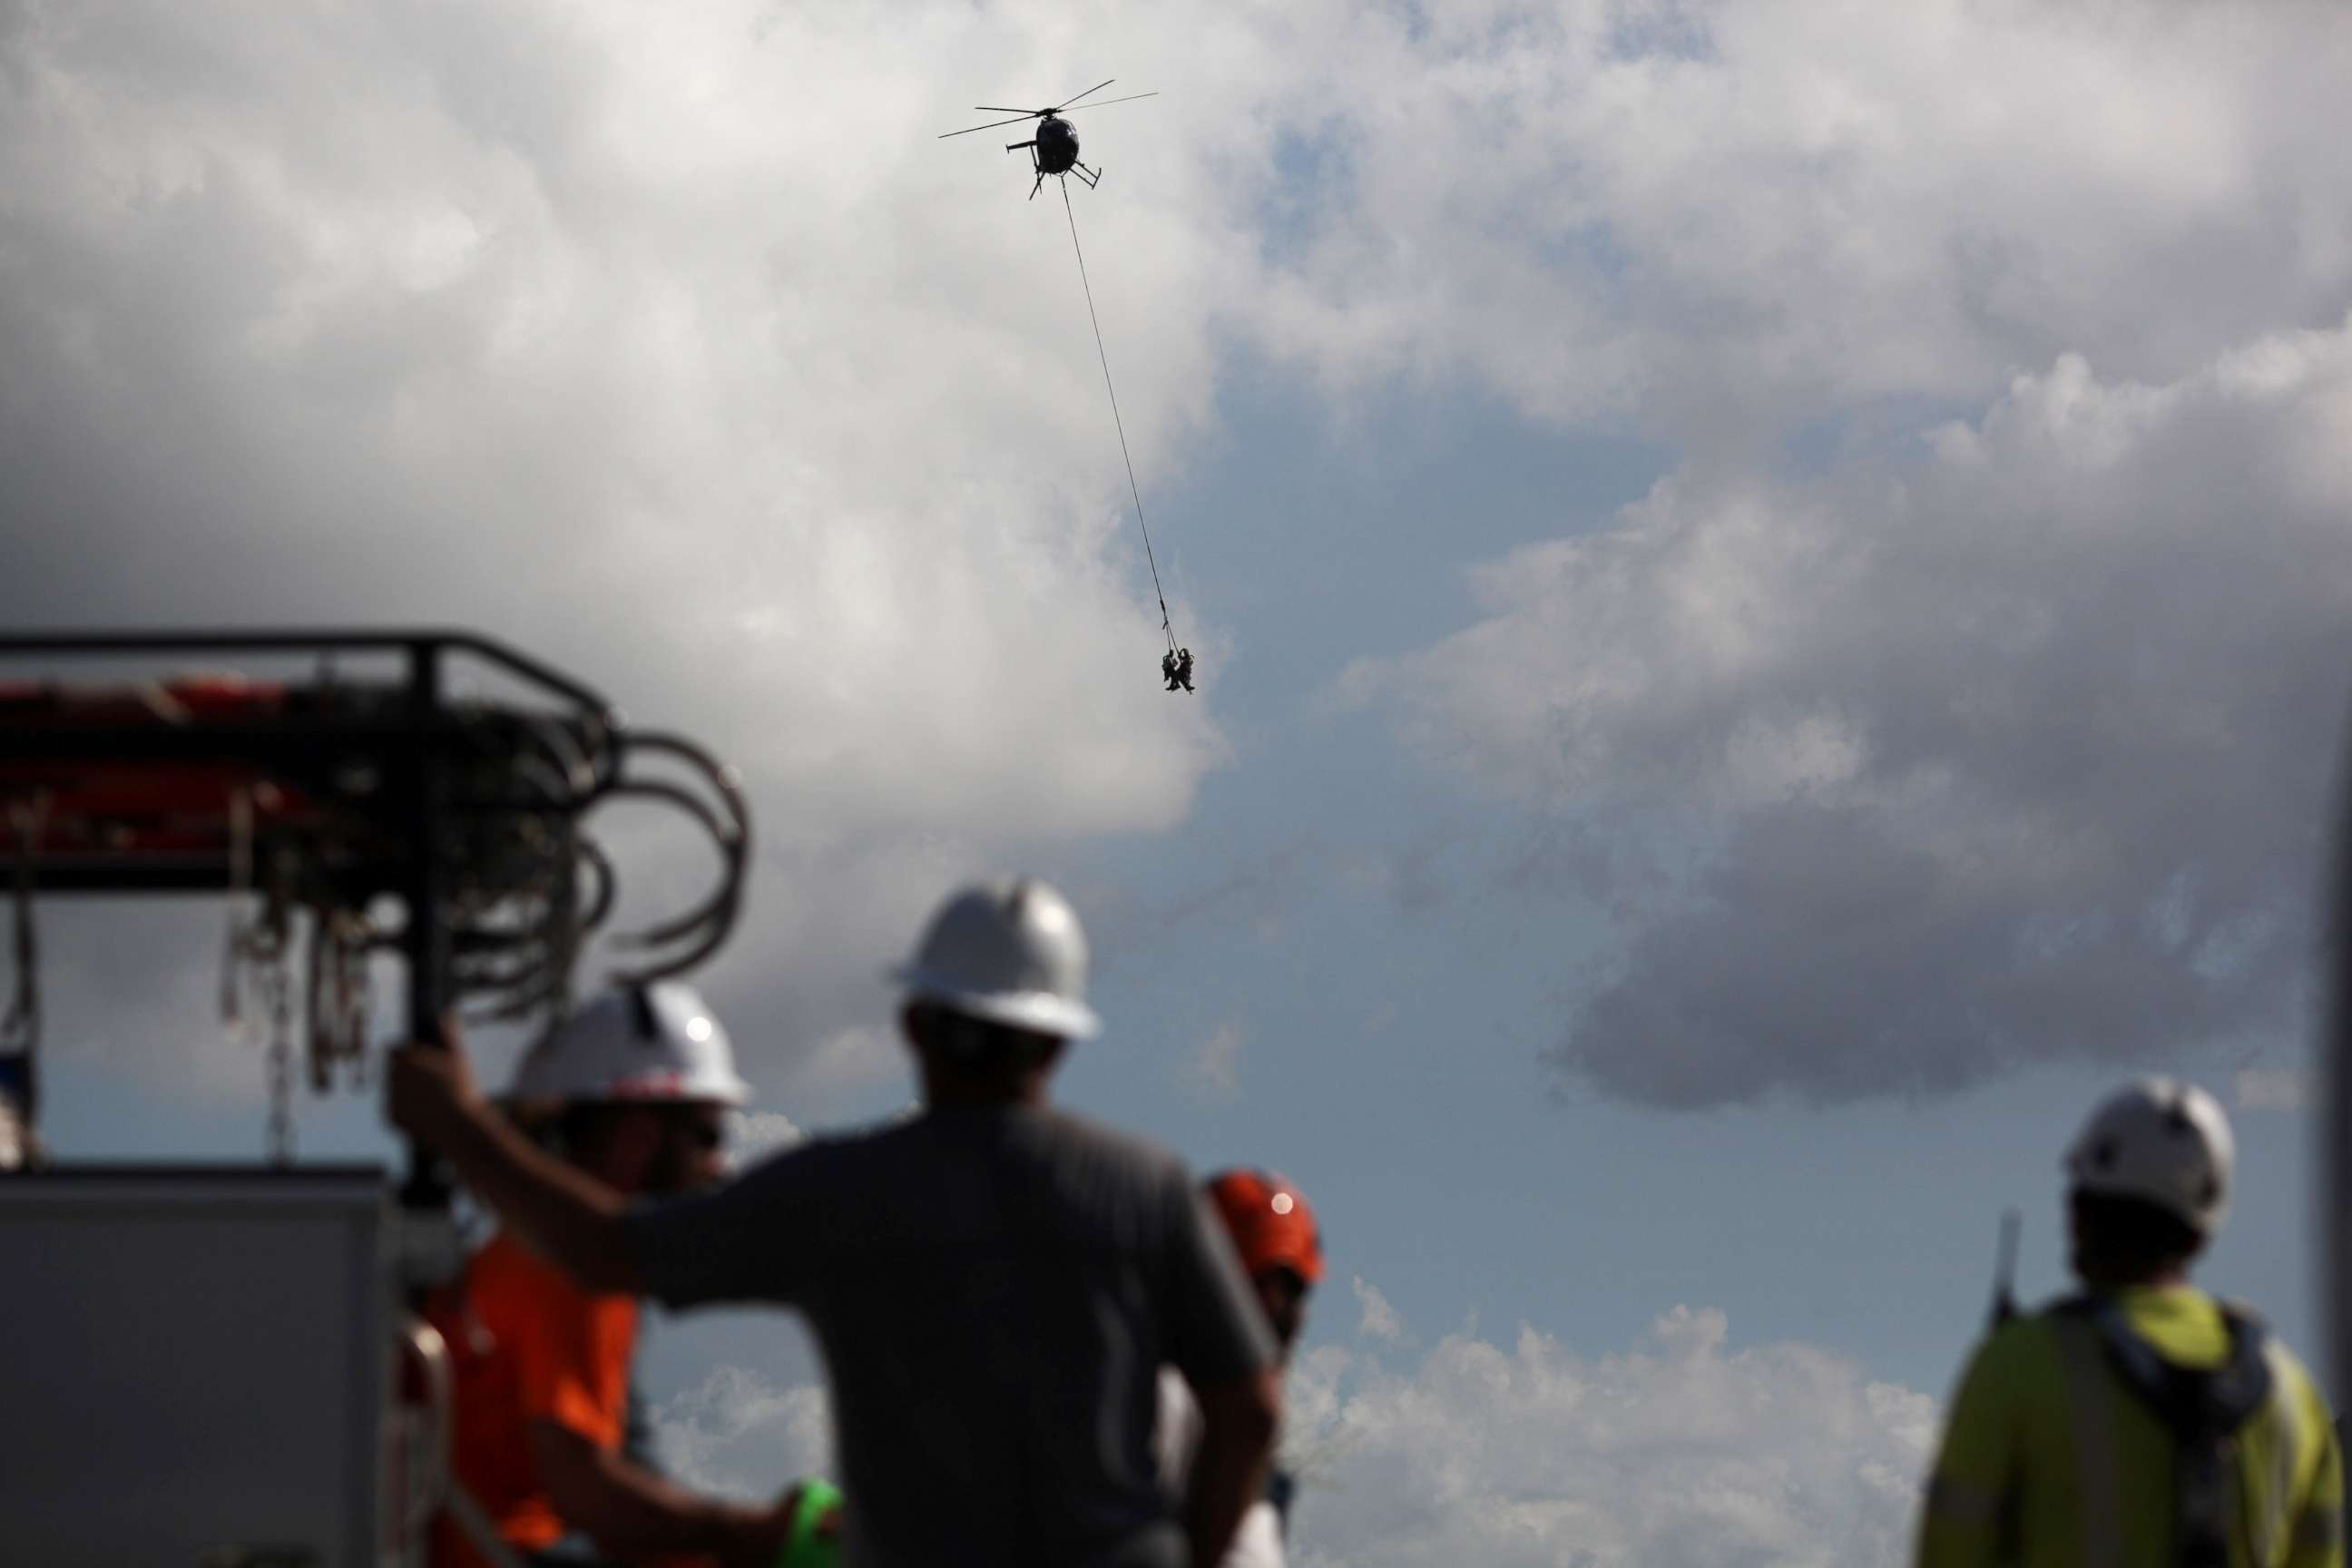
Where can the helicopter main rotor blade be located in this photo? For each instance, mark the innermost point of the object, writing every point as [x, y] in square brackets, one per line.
[1008, 109]
[1107, 102]
[989, 126]
[1067, 101]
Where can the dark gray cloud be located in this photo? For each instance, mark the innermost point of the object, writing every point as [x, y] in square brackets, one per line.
[1828, 954]
[1902, 775]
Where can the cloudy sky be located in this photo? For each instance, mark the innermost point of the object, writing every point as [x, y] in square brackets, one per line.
[1770, 583]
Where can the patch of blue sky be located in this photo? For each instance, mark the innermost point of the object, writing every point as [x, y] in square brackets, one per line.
[1412, 15]
[1660, 29]
[92, 1113]
[1314, 176]
[1314, 537]
[1588, 250]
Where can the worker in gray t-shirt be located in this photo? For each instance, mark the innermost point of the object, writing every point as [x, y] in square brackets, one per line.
[996, 1284]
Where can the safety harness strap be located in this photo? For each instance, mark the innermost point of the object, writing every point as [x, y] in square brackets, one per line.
[2097, 1478]
[2279, 1507]
[2203, 1409]
[1281, 1487]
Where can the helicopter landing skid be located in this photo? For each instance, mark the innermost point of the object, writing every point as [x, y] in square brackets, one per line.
[1090, 178]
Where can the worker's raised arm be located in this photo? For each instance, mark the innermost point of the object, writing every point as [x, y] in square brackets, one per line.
[764, 1237]
[567, 1215]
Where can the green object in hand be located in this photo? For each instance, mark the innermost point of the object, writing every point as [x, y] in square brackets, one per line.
[816, 1538]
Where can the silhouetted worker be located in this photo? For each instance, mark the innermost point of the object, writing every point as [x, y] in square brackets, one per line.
[1183, 668]
[2142, 1422]
[995, 1283]
[1168, 669]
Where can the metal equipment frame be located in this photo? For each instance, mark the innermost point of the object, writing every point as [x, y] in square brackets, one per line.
[393, 766]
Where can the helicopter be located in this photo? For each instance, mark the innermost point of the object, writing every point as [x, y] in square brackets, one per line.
[1055, 149]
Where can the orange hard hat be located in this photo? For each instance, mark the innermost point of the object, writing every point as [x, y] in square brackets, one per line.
[1271, 1225]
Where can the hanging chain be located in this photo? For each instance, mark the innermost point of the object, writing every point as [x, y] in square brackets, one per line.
[240, 882]
[259, 958]
[278, 994]
[339, 998]
[355, 997]
[20, 1031]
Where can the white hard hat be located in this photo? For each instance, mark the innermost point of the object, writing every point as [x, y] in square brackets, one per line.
[2161, 1140]
[657, 1042]
[1008, 952]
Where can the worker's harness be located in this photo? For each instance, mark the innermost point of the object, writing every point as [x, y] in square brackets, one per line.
[2203, 1409]
[1281, 1487]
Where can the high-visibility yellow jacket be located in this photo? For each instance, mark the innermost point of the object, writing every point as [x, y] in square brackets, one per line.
[2049, 1458]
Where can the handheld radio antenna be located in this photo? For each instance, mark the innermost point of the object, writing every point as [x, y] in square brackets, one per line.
[2004, 1277]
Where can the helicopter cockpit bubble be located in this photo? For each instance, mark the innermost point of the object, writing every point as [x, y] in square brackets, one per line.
[1057, 145]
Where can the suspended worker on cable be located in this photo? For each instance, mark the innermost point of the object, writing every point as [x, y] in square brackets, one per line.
[1053, 150]
[2140, 1423]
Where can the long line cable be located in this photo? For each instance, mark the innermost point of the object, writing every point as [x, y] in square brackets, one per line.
[1120, 424]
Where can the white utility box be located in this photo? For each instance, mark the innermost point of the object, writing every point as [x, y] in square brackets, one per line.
[195, 1367]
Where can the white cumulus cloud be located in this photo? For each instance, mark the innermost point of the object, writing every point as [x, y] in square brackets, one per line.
[1379, 1319]
[753, 1135]
[740, 1434]
[1681, 1452]
[1751, 212]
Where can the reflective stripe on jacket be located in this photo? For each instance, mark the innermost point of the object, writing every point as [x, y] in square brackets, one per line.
[2049, 1457]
